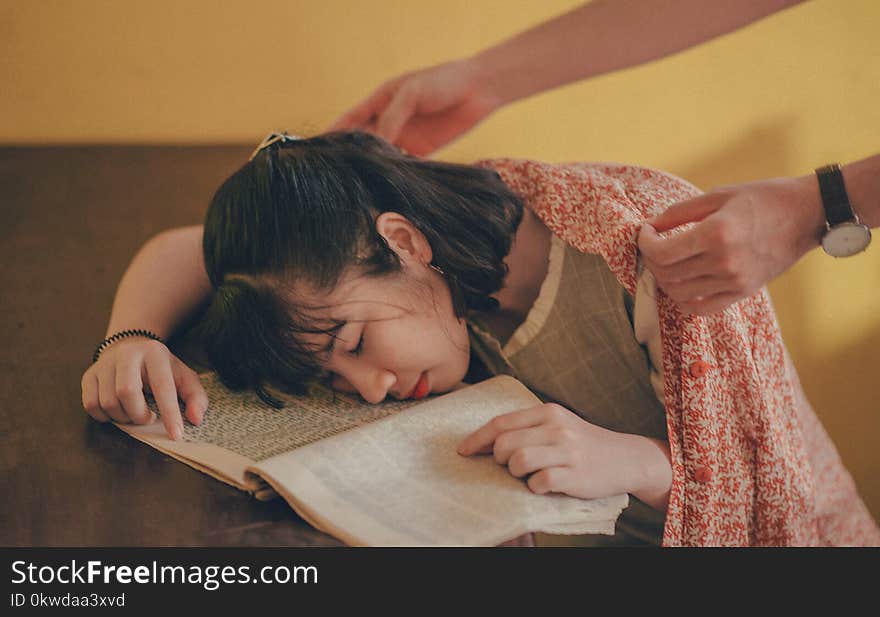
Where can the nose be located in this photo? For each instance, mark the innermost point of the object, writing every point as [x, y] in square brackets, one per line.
[371, 383]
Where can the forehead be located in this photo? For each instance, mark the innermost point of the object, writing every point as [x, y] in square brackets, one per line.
[357, 298]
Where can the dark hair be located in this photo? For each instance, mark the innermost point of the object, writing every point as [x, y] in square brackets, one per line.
[305, 211]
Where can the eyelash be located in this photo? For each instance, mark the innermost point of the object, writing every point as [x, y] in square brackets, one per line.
[360, 347]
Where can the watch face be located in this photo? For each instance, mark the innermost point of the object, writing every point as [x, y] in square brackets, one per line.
[846, 239]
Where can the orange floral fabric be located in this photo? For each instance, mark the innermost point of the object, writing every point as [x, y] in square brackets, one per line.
[751, 464]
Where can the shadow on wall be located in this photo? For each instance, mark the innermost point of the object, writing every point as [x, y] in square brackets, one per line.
[841, 384]
[761, 151]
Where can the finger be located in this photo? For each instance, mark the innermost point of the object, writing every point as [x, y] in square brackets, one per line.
[704, 264]
[551, 480]
[511, 441]
[418, 145]
[676, 248]
[189, 387]
[90, 397]
[162, 383]
[711, 304]
[130, 392]
[534, 458]
[689, 211]
[107, 395]
[425, 134]
[700, 287]
[395, 116]
[482, 439]
[360, 115]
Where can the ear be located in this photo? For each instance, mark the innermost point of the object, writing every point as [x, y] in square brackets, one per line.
[404, 239]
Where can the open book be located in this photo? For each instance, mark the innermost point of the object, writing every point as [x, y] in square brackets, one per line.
[379, 475]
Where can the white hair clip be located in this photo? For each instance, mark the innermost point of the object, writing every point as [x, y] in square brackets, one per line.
[272, 138]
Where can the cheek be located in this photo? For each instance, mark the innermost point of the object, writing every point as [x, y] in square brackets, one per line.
[448, 346]
[420, 343]
[395, 345]
[342, 384]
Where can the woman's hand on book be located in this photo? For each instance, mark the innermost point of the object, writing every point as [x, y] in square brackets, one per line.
[559, 452]
[113, 388]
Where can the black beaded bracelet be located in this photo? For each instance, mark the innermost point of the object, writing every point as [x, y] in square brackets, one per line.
[112, 339]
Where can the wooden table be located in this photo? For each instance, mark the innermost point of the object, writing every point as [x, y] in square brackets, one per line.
[71, 219]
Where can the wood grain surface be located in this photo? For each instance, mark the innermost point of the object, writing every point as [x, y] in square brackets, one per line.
[71, 219]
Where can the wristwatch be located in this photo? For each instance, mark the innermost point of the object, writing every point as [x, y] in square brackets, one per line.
[845, 234]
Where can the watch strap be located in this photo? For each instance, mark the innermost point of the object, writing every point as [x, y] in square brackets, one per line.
[834, 196]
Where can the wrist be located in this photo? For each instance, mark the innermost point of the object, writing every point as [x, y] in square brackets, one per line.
[652, 474]
[499, 83]
[808, 213]
[480, 83]
[110, 340]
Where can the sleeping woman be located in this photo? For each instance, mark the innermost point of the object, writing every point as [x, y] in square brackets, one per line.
[340, 258]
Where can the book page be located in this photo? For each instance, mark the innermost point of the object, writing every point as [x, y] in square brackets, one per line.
[400, 482]
[240, 430]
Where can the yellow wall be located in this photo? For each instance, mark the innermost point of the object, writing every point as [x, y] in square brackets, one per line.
[781, 97]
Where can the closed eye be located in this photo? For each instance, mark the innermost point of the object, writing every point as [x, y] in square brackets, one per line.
[360, 346]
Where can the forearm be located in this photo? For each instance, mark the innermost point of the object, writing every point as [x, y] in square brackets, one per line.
[862, 180]
[654, 471]
[165, 283]
[607, 35]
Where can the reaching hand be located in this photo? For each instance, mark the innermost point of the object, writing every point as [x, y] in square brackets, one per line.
[746, 236]
[424, 110]
[113, 387]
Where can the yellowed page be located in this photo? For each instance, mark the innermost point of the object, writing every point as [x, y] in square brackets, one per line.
[220, 463]
[400, 482]
[239, 429]
[367, 486]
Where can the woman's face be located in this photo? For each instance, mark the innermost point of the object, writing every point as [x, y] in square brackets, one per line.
[399, 340]
[400, 337]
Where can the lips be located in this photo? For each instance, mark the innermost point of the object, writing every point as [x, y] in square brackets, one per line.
[421, 388]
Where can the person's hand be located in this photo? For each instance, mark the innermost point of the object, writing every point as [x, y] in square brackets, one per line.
[424, 110]
[113, 387]
[746, 236]
[562, 453]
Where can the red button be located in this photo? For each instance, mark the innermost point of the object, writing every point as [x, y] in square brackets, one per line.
[699, 368]
[703, 475]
